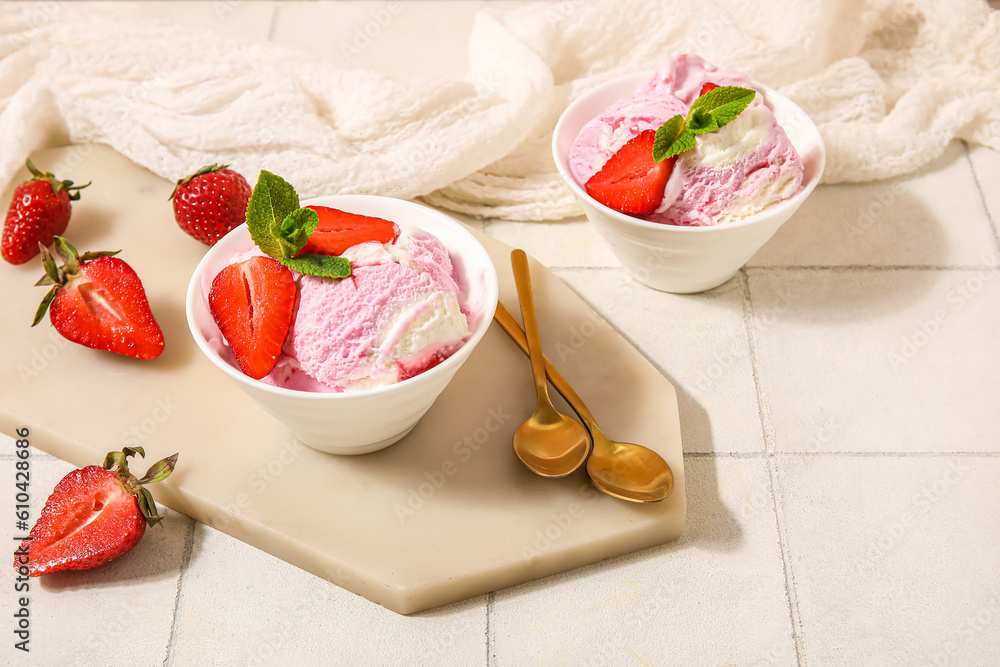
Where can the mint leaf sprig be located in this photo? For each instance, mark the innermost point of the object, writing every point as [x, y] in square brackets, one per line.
[707, 114]
[281, 228]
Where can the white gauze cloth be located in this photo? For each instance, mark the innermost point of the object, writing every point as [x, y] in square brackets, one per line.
[889, 83]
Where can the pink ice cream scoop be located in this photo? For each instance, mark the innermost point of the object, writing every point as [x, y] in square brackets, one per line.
[746, 166]
[397, 315]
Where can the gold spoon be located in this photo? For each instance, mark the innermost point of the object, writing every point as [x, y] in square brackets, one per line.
[620, 469]
[549, 443]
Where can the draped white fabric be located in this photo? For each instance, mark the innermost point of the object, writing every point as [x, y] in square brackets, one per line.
[889, 82]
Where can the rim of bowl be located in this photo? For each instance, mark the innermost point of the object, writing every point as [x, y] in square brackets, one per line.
[492, 296]
[639, 77]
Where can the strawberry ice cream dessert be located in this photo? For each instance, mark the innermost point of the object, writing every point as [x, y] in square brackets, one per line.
[344, 303]
[397, 315]
[722, 170]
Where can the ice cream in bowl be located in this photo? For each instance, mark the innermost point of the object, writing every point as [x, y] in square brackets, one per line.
[687, 171]
[347, 363]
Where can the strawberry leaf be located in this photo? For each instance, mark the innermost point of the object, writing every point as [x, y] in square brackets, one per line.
[132, 451]
[94, 254]
[44, 305]
[326, 266]
[160, 470]
[723, 103]
[68, 253]
[272, 200]
[147, 506]
[49, 264]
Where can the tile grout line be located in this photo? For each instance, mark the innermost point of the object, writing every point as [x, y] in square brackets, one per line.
[490, 658]
[982, 197]
[768, 433]
[793, 598]
[762, 406]
[185, 560]
[275, 10]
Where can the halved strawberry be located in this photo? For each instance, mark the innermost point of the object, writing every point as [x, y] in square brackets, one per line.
[98, 301]
[708, 87]
[252, 302]
[339, 230]
[631, 181]
[93, 516]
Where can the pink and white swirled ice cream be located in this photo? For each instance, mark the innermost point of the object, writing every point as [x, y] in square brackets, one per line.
[398, 314]
[743, 168]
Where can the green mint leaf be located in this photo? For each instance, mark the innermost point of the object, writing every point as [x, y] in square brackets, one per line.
[271, 202]
[671, 142]
[666, 136]
[700, 122]
[326, 266]
[724, 103]
[293, 232]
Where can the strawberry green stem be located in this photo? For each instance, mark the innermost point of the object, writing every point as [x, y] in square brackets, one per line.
[60, 276]
[157, 472]
[57, 185]
[207, 169]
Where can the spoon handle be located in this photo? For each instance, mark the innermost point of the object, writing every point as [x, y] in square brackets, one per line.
[510, 326]
[522, 278]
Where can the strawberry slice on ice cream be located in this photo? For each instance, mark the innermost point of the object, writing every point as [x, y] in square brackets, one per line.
[339, 230]
[631, 181]
[252, 302]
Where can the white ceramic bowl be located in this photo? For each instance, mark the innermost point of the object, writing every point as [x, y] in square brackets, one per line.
[362, 421]
[685, 259]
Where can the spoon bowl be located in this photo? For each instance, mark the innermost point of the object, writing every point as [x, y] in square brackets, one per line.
[628, 471]
[549, 443]
[620, 469]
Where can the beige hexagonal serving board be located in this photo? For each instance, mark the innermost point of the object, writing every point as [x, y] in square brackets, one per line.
[445, 514]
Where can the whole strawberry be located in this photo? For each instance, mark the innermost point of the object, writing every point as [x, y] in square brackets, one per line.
[93, 516]
[97, 300]
[39, 211]
[211, 202]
